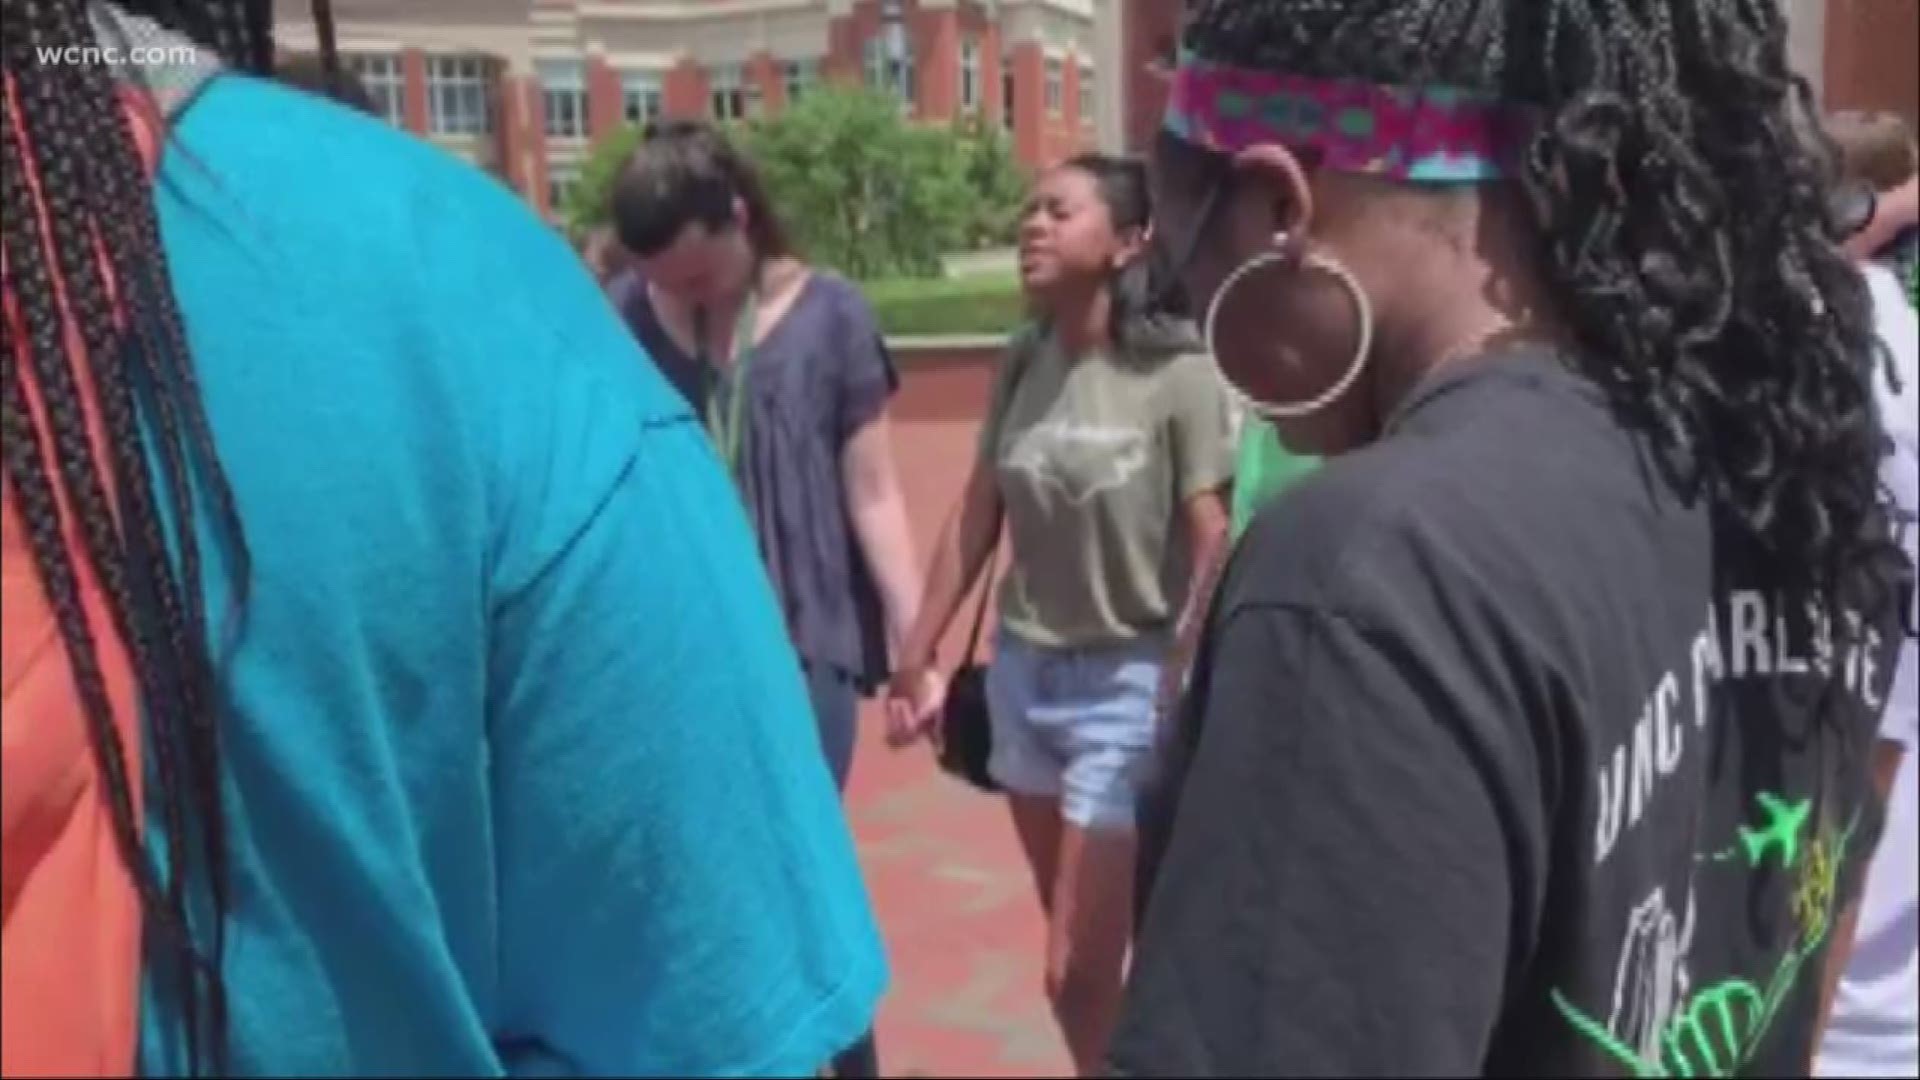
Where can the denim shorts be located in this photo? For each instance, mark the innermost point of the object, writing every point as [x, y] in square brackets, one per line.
[1076, 725]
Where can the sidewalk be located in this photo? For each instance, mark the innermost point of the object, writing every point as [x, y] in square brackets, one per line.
[964, 931]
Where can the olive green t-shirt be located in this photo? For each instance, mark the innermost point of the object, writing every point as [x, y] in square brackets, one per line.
[1095, 458]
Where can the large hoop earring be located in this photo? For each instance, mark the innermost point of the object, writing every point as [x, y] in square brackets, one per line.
[1362, 307]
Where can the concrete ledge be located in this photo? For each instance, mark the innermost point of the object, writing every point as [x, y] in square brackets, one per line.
[929, 346]
[946, 377]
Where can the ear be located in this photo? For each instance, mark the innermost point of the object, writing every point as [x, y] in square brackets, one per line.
[1278, 185]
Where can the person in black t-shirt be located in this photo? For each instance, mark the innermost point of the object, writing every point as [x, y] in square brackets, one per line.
[1531, 734]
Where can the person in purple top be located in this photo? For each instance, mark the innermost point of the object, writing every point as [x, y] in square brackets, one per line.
[787, 366]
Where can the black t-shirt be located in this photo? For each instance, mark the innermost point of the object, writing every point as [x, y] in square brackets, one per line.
[1498, 759]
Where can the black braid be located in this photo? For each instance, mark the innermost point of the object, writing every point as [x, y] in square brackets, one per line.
[66, 126]
[239, 31]
[1687, 230]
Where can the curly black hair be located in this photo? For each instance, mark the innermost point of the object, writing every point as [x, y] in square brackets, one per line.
[1680, 188]
[66, 144]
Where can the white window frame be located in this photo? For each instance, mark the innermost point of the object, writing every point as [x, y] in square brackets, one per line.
[563, 99]
[970, 95]
[642, 101]
[561, 180]
[730, 94]
[1009, 93]
[1055, 79]
[385, 77]
[801, 76]
[884, 77]
[1086, 102]
[459, 94]
[873, 62]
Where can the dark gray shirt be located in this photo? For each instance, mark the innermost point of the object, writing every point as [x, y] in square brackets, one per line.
[1504, 757]
[821, 374]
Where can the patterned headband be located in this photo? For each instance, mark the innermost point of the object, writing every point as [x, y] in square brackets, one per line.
[1424, 135]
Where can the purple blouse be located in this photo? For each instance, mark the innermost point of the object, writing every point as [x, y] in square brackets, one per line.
[821, 374]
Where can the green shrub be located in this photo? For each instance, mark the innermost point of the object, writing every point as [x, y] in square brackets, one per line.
[979, 304]
[861, 189]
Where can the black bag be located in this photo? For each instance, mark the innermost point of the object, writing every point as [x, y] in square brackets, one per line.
[966, 730]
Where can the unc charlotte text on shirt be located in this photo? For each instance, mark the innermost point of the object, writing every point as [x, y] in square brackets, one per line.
[1764, 637]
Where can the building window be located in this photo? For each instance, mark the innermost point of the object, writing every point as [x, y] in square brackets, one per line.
[887, 74]
[1007, 114]
[384, 79]
[563, 86]
[641, 102]
[733, 97]
[801, 76]
[970, 75]
[1086, 95]
[561, 182]
[1056, 85]
[457, 98]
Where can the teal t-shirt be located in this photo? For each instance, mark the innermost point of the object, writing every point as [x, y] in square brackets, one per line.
[521, 774]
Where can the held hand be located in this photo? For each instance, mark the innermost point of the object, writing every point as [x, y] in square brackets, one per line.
[1166, 698]
[914, 702]
[1173, 683]
[1902, 205]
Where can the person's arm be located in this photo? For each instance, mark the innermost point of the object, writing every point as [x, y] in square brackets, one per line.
[1887, 755]
[879, 514]
[1337, 895]
[871, 483]
[1201, 442]
[1900, 474]
[966, 543]
[1203, 517]
[1894, 212]
[677, 891]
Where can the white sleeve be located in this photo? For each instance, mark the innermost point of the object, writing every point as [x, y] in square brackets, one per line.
[1899, 328]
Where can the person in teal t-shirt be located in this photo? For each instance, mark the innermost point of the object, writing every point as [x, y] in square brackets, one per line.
[1265, 468]
[516, 768]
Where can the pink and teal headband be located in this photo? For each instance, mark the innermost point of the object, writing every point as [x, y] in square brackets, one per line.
[1423, 135]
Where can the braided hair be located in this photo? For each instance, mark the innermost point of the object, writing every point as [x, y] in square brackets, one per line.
[91, 270]
[1679, 187]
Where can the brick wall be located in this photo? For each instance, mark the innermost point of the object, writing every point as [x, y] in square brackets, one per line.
[992, 104]
[413, 73]
[606, 108]
[520, 137]
[937, 43]
[1870, 60]
[765, 73]
[1150, 31]
[945, 379]
[1029, 103]
[683, 93]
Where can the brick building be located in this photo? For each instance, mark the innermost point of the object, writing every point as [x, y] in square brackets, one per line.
[523, 87]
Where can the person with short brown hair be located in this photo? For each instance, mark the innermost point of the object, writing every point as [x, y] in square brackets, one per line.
[1879, 160]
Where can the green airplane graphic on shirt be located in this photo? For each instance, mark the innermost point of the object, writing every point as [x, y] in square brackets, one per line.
[1718, 1029]
[1784, 823]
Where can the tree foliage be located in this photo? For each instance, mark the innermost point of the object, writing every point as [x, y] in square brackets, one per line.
[861, 189]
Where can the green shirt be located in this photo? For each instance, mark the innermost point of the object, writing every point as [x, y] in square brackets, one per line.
[1265, 469]
[1095, 458]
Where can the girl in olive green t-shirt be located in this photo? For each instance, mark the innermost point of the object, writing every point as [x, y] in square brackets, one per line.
[1105, 452]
